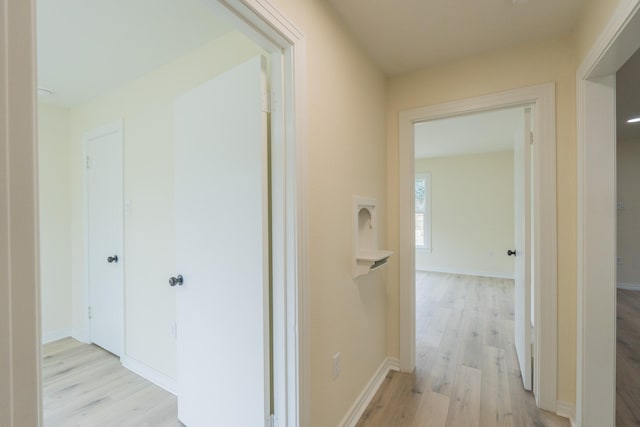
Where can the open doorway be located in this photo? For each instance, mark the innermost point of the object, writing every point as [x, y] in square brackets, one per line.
[473, 238]
[628, 238]
[542, 229]
[136, 79]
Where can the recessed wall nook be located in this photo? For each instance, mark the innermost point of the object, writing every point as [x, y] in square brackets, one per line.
[367, 256]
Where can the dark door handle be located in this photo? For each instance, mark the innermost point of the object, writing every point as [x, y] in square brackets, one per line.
[511, 252]
[112, 259]
[177, 280]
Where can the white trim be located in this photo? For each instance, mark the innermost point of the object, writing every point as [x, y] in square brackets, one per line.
[596, 216]
[81, 335]
[160, 379]
[567, 410]
[20, 334]
[366, 396]
[629, 286]
[56, 335]
[544, 222]
[267, 26]
[464, 272]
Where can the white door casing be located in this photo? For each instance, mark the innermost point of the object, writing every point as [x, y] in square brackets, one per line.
[268, 27]
[596, 243]
[104, 236]
[221, 153]
[542, 101]
[522, 237]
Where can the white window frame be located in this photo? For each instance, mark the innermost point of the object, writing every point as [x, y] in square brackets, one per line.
[427, 246]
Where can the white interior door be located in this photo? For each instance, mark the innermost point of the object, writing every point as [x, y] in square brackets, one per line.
[222, 250]
[104, 238]
[522, 221]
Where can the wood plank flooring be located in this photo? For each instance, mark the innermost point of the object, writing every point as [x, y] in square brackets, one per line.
[86, 386]
[467, 371]
[628, 359]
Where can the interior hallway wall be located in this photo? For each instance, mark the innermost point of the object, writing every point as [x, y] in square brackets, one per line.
[346, 156]
[526, 65]
[472, 214]
[54, 181]
[146, 107]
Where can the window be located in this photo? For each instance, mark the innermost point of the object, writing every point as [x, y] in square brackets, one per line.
[423, 211]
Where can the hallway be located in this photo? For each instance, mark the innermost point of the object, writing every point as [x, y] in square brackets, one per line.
[466, 367]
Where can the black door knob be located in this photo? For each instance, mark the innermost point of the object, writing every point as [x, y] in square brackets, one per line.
[177, 280]
[112, 259]
[511, 252]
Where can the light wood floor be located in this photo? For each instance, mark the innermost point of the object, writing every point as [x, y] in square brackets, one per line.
[86, 386]
[628, 359]
[466, 367]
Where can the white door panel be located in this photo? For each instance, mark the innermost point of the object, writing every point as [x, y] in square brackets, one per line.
[222, 250]
[105, 234]
[522, 234]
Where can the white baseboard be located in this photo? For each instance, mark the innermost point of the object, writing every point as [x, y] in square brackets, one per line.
[357, 409]
[629, 286]
[158, 378]
[567, 410]
[466, 272]
[81, 335]
[55, 335]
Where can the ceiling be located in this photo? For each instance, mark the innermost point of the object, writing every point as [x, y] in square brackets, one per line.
[408, 35]
[628, 98]
[86, 48]
[484, 132]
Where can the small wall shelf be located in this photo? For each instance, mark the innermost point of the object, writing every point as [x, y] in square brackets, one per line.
[366, 256]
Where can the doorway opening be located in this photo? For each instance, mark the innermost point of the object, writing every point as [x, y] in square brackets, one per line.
[142, 95]
[627, 248]
[473, 250]
[541, 245]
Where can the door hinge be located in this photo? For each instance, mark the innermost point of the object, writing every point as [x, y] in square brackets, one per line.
[89, 312]
[88, 162]
[530, 137]
[266, 102]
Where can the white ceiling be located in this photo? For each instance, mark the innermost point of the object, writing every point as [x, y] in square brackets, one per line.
[406, 35]
[483, 132]
[628, 98]
[88, 47]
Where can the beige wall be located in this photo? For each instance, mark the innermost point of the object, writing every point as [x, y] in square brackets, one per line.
[146, 106]
[54, 180]
[346, 100]
[471, 214]
[550, 61]
[628, 170]
[595, 16]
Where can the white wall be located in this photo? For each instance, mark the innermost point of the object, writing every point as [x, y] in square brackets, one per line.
[472, 214]
[54, 180]
[628, 170]
[146, 106]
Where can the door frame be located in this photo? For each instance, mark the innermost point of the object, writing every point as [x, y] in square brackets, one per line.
[266, 26]
[84, 334]
[596, 225]
[544, 267]
[20, 361]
